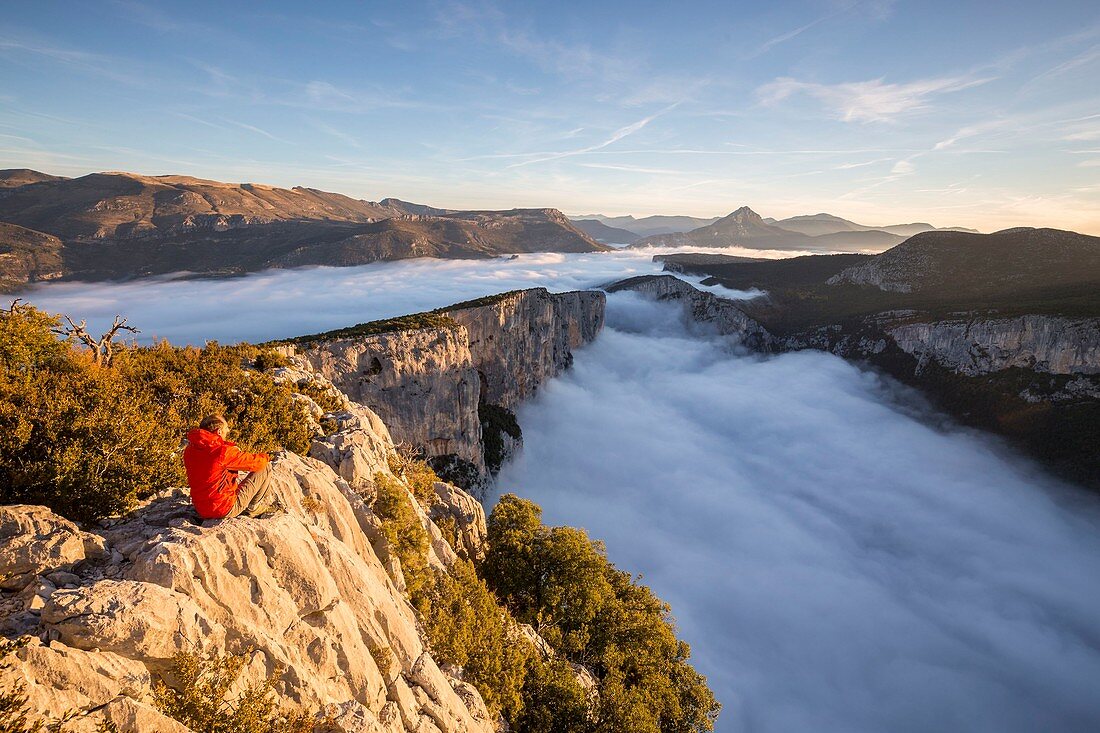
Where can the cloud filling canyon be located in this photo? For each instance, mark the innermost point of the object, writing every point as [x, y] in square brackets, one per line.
[839, 558]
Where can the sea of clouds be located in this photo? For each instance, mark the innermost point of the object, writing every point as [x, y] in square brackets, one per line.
[839, 559]
[284, 303]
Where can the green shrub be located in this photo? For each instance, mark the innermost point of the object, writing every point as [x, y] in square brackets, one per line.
[269, 359]
[403, 530]
[561, 582]
[553, 700]
[324, 398]
[199, 700]
[189, 383]
[468, 628]
[89, 440]
[407, 464]
[496, 422]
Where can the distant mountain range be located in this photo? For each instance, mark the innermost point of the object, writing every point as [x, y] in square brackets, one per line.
[649, 225]
[745, 228]
[1022, 270]
[122, 225]
[603, 233]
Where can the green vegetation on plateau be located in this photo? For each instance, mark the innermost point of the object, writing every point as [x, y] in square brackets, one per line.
[437, 318]
[479, 302]
[431, 319]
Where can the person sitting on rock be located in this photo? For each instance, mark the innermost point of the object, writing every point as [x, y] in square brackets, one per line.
[213, 464]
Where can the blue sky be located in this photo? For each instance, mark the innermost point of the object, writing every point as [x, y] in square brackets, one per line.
[960, 113]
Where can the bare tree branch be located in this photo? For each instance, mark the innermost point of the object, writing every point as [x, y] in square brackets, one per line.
[103, 348]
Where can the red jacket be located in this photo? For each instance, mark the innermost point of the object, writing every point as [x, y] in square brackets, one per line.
[212, 463]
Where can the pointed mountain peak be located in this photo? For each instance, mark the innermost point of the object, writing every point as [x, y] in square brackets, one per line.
[745, 215]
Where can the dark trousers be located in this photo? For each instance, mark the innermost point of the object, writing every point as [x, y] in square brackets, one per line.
[254, 496]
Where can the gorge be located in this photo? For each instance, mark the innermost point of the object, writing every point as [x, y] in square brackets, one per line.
[831, 547]
[808, 521]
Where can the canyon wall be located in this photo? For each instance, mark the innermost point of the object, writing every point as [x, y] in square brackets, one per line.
[703, 307]
[431, 385]
[1034, 379]
[1043, 343]
[975, 346]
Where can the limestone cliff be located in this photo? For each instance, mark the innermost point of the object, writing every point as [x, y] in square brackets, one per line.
[703, 307]
[433, 385]
[1043, 343]
[315, 591]
[1033, 378]
[974, 346]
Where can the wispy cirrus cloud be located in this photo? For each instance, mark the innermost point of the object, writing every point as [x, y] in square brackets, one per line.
[615, 137]
[345, 137]
[863, 164]
[874, 100]
[634, 169]
[259, 131]
[20, 48]
[622, 76]
[876, 10]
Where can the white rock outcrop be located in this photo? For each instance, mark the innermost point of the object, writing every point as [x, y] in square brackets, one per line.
[34, 541]
[1043, 343]
[306, 591]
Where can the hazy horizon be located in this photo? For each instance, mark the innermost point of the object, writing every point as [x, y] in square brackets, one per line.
[877, 111]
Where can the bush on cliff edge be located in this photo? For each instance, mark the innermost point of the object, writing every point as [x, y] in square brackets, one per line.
[88, 440]
[560, 582]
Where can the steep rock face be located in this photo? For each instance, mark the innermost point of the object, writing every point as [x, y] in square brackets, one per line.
[427, 384]
[1043, 343]
[965, 346]
[422, 384]
[311, 590]
[703, 307]
[522, 339]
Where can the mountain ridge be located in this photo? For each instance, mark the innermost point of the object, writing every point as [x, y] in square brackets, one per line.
[117, 225]
[745, 228]
[809, 224]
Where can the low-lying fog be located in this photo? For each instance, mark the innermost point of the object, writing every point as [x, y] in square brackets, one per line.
[283, 303]
[836, 564]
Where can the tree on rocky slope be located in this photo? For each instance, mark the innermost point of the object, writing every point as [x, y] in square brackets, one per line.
[558, 580]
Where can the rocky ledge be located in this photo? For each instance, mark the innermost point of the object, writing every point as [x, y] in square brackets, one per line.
[315, 591]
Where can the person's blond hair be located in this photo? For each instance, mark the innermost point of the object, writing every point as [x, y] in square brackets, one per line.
[213, 423]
